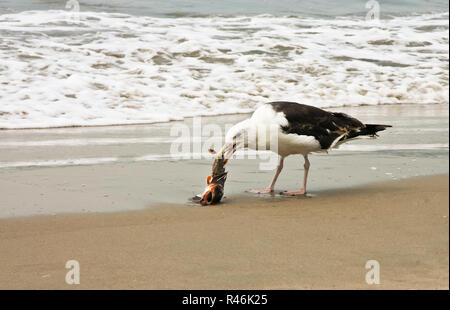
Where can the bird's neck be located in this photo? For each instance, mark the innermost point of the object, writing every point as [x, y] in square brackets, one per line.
[240, 132]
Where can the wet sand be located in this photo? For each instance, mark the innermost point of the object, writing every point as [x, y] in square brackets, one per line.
[45, 164]
[245, 243]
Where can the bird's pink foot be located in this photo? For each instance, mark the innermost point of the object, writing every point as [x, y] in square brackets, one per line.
[261, 191]
[301, 191]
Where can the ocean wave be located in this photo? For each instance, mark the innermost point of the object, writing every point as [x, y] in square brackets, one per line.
[111, 68]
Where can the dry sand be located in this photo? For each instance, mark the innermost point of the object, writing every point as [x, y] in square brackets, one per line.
[245, 243]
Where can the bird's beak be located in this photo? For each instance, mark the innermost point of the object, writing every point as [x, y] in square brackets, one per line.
[227, 151]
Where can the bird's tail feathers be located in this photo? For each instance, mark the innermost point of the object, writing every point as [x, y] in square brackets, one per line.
[372, 129]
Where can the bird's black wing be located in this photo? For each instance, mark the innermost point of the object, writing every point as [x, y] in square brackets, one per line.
[324, 126]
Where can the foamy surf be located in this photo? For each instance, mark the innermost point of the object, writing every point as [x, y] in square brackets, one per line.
[110, 68]
[183, 156]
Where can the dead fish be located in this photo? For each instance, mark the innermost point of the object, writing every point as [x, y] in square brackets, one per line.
[215, 182]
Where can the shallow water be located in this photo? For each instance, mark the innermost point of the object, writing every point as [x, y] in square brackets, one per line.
[102, 169]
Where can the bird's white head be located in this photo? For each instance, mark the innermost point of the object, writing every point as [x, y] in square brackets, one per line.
[236, 137]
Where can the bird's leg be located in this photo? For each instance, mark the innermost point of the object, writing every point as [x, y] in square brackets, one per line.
[272, 184]
[301, 191]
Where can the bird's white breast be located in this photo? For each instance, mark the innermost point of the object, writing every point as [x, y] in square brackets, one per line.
[266, 125]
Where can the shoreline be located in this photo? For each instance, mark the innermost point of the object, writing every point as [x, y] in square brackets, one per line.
[294, 243]
[238, 114]
[109, 169]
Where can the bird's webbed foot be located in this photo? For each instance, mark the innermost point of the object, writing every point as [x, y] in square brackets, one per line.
[299, 192]
[261, 191]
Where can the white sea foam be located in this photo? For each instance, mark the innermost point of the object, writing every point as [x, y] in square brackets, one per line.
[88, 141]
[59, 162]
[111, 68]
[247, 153]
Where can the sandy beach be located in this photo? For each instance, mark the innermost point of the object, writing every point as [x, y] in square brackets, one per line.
[274, 243]
[111, 116]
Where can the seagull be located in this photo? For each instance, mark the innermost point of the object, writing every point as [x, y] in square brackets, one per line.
[296, 129]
